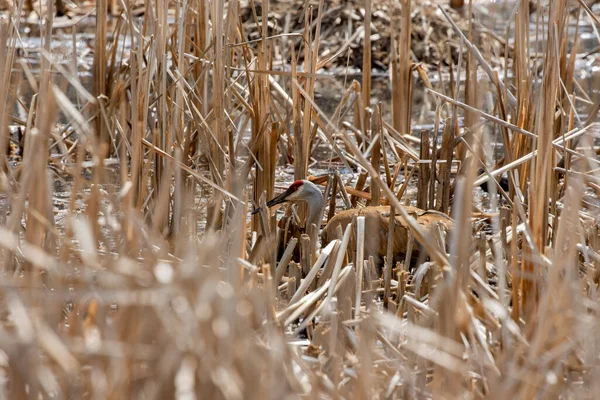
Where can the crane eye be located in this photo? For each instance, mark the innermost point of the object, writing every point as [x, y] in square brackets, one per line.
[295, 186]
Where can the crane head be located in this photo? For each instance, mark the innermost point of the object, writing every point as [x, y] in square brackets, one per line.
[293, 193]
[301, 191]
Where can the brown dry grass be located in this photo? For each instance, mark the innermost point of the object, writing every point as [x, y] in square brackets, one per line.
[131, 267]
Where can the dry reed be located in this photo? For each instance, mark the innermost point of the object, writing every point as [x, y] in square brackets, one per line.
[132, 268]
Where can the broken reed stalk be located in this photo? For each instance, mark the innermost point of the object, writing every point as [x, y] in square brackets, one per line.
[285, 260]
[376, 133]
[434, 158]
[305, 258]
[337, 267]
[424, 172]
[366, 62]
[99, 66]
[359, 262]
[402, 73]
[447, 151]
[389, 264]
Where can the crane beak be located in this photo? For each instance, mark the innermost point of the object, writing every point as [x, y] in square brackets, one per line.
[282, 198]
[256, 211]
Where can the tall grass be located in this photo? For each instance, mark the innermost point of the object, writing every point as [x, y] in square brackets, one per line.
[131, 267]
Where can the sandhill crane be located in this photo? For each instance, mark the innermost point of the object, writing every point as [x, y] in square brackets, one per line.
[303, 191]
[376, 220]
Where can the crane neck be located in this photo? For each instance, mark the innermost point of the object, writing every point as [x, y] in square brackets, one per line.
[314, 207]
